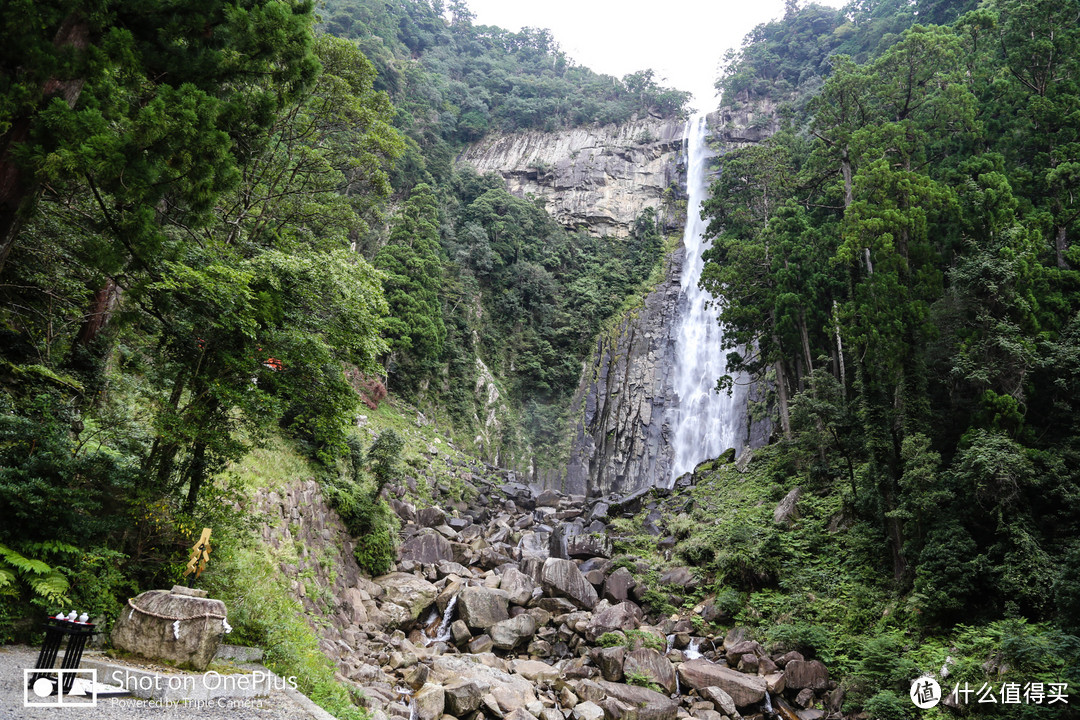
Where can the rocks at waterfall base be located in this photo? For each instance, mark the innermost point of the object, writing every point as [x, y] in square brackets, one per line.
[498, 612]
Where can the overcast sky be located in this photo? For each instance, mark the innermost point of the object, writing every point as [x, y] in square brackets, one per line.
[682, 40]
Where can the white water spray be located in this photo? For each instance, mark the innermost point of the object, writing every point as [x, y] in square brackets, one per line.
[443, 633]
[704, 422]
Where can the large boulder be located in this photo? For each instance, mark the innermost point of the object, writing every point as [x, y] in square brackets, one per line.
[536, 671]
[588, 546]
[508, 634]
[720, 700]
[610, 662]
[172, 626]
[787, 510]
[811, 674]
[534, 545]
[429, 702]
[482, 607]
[682, 577]
[651, 664]
[517, 585]
[428, 548]
[743, 689]
[410, 592]
[624, 616]
[508, 691]
[462, 697]
[563, 579]
[630, 702]
[431, 517]
[617, 585]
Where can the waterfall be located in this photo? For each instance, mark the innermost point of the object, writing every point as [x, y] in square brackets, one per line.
[443, 633]
[693, 650]
[704, 423]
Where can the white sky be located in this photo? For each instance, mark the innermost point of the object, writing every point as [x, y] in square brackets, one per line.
[682, 40]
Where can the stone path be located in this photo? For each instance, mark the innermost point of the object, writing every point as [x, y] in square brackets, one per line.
[278, 705]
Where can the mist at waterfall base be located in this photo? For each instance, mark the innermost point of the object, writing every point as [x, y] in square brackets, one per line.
[704, 422]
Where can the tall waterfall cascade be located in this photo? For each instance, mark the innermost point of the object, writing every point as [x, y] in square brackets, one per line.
[703, 422]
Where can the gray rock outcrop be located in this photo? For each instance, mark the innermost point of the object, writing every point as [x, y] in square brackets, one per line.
[171, 626]
[598, 177]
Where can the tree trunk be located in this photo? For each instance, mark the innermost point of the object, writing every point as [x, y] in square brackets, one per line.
[839, 350]
[1061, 246]
[16, 191]
[101, 307]
[805, 335]
[196, 473]
[782, 394]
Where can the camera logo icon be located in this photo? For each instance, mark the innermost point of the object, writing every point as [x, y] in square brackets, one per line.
[59, 688]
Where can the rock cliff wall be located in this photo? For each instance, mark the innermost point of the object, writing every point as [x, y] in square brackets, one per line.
[598, 177]
[620, 439]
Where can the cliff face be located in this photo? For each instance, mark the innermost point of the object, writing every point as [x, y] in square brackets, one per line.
[621, 440]
[597, 177]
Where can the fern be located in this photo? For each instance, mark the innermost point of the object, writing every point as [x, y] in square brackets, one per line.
[43, 580]
[53, 586]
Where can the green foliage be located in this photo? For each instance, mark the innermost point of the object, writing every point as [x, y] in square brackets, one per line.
[611, 639]
[890, 258]
[887, 705]
[642, 679]
[264, 614]
[43, 581]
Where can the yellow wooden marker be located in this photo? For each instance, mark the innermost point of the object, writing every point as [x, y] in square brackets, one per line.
[200, 555]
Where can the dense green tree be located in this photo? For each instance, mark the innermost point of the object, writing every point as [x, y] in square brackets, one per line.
[413, 279]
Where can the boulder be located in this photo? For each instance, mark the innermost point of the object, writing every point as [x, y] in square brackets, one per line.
[649, 662]
[622, 617]
[519, 714]
[743, 689]
[408, 591]
[787, 510]
[610, 662]
[534, 545]
[563, 579]
[679, 577]
[720, 699]
[190, 639]
[587, 711]
[462, 697]
[536, 671]
[508, 692]
[736, 650]
[481, 644]
[588, 546]
[799, 674]
[429, 702]
[517, 585]
[352, 603]
[548, 498]
[427, 548]
[630, 702]
[482, 607]
[508, 634]
[431, 517]
[617, 585]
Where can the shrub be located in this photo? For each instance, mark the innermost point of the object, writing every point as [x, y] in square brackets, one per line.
[887, 705]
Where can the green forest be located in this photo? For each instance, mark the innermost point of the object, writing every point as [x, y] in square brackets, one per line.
[226, 226]
[900, 260]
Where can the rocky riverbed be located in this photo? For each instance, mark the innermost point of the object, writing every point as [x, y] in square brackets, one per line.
[514, 605]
